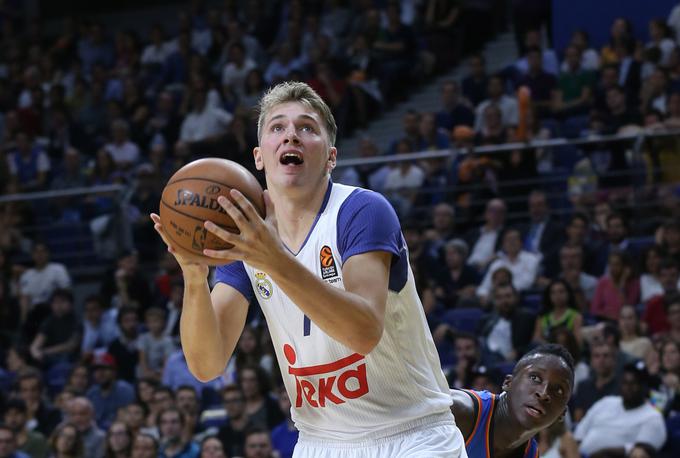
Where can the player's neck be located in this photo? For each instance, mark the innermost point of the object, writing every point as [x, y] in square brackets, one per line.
[508, 434]
[295, 214]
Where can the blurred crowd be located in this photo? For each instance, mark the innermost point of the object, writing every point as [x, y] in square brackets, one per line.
[503, 257]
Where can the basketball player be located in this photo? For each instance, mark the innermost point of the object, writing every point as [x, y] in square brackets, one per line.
[534, 397]
[330, 270]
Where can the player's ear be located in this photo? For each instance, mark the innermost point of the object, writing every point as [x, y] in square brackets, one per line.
[257, 154]
[332, 158]
[507, 381]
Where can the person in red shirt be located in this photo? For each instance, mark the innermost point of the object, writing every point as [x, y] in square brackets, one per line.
[654, 315]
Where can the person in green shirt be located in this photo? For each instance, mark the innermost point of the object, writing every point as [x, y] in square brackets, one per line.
[574, 86]
[32, 443]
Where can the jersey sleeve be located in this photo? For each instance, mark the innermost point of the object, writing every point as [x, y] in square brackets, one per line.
[367, 222]
[235, 275]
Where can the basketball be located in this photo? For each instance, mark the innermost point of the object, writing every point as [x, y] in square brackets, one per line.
[190, 198]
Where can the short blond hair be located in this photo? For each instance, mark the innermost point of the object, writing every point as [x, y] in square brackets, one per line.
[294, 91]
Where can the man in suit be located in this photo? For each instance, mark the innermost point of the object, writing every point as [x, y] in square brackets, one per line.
[485, 240]
[541, 235]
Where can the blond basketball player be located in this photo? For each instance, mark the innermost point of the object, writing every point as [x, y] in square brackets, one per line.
[330, 270]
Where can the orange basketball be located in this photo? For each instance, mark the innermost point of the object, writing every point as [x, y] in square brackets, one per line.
[190, 198]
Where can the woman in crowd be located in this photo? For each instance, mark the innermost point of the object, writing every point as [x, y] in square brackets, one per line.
[632, 341]
[118, 440]
[66, 442]
[559, 310]
[614, 289]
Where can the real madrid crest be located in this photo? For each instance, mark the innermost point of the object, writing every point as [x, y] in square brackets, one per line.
[263, 285]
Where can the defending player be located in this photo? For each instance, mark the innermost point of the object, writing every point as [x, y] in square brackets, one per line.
[330, 270]
[533, 398]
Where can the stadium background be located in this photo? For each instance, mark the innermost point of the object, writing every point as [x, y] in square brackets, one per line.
[578, 181]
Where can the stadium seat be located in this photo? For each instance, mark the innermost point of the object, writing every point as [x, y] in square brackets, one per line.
[464, 319]
[672, 447]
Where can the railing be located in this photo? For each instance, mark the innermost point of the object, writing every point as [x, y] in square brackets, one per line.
[80, 240]
[641, 176]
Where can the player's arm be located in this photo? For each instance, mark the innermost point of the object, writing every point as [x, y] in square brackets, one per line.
[210, 326]
[464, 410]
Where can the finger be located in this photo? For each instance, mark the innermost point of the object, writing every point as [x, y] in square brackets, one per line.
[155, 218]
[234, 212]
[231, 254]
[245, 205]
[225, 235]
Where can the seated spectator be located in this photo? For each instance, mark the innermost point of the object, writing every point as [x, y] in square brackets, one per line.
[632, 342]
[71, 174]
[232, 432]
[574, 86]
[615, 424]
[541, 84]
[248, 352]
[608, 79]
[58, 339]
[671, 314]
[582, 284]
[237, 68]
[38, 283]
[82, 415]
[124, 152]
[457, 281]
[371, 176]
[665, 394]
[154, 347]
[590, 60]
[126, 284]
[30, 442]
[28, 164]
[522, 264]
[108, 394]
[145, 446]
[468, 359]
[557, 440]
[559, 310]
[603, 380]
[135, 417]
[42, 417]
[205, 121]
[493, 132]
[486, 239]
[455, 111]
[442, 229]
[542, 235]
[124, 348]
[430, 137]
[118, 440]
[176, 373]
[66, 441]
[660, 37]
[476, 83]
[186, 400]
[170, 424]
[285, 435]
[99, 326]
[260, 407]
[283, 63]
[507, 105]
[258, 444]
[507, 332]
[211, 447]
[650, 284]
[616, 288]
[410, 132]
[403, 182]
[78, 380]
[547, 58]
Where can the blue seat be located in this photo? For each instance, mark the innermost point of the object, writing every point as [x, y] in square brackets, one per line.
[672, 446]
[464, 319]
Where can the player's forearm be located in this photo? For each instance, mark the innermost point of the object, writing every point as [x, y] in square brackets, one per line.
[202, 341]
[345, 316]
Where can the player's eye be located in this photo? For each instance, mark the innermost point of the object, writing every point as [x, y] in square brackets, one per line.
[276, 128]
[307, 128]
[535, 378]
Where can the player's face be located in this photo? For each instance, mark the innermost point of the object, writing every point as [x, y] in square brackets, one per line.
[294, 150]
[539, 392]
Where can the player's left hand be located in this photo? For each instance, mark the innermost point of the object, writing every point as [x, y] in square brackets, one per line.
[258, 242]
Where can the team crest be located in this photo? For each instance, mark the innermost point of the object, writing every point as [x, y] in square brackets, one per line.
[328, 268]
[263, 285]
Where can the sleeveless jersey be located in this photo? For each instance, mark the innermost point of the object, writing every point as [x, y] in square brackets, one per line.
[337, 394]
[478, 444]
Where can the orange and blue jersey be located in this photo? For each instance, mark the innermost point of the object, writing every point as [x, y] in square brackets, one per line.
[478, 443]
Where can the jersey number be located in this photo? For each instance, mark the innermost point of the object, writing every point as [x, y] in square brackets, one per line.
[306, 325]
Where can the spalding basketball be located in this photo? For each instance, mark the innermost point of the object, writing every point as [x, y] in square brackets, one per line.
[190, 198]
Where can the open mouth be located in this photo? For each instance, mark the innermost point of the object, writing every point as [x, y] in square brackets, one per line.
[291, 159]
[534, 412]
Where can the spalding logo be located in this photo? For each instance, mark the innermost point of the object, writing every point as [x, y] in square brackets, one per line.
[192, 199]
[212, 189]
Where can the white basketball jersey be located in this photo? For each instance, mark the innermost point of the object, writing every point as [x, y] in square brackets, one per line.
[337, 394]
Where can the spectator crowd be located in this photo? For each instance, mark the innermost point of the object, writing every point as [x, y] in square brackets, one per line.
[503, 257]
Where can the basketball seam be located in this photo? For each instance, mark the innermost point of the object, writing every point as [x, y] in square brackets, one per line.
[198, 179]
[223, 226]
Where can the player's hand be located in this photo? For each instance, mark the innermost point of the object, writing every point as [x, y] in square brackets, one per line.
[258, 242]
[187, 263]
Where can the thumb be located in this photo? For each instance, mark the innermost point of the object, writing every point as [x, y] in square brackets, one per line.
[269, 208]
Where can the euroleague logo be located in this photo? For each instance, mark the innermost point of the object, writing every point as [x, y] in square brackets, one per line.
[328, 267]
[334, 382]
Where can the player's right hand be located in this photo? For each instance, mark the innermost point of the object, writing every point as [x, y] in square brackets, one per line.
[189, 264]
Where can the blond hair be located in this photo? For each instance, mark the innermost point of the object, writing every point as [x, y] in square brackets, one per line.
[294, 91]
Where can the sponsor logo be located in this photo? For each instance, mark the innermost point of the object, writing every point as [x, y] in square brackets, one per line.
[263, 286]
[186, 198]
[328, 267]
[326, 384]
[212, 189]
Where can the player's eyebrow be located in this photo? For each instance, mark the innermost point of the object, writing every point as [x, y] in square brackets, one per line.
[303, 115]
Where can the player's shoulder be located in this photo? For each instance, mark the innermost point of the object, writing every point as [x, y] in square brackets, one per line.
[465, 410]
[355, 200]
